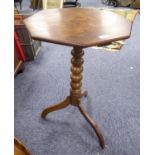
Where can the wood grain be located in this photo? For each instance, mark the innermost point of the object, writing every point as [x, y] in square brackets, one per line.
[78, 26]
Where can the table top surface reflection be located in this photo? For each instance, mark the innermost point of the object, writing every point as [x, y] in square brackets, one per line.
[82, 27]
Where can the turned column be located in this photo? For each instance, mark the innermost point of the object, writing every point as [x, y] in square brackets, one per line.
[76, 75]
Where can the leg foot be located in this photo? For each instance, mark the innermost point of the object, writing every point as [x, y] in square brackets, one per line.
[55, 107]
[94, 126]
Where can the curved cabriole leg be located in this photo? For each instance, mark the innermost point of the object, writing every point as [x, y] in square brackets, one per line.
[94, 126]
[55, 107]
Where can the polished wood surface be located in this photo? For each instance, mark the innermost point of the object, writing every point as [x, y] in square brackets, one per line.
[78, 26]
[19, 148]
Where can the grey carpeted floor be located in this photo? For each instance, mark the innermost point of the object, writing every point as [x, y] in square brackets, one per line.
[112, 80]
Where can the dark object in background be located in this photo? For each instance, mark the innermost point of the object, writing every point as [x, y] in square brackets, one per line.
[18, 1]
[19, 56]
[135, 4]
[30, 47]
[111, 2]
[72, 3]
[36, 4]
[123, 3]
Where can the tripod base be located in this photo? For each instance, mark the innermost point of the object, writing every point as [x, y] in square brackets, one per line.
[68, 102]
[76, 92]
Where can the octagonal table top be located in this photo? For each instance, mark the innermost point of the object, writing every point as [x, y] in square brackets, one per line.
[82, 27]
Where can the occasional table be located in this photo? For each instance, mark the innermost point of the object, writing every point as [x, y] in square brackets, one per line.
[79, 28]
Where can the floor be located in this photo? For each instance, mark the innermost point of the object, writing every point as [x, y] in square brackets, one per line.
[112, 81]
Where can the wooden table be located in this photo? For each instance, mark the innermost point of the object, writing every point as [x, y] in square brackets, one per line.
[80, 28]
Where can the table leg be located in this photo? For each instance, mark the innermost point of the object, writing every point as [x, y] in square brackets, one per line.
[55, 107]
[93, 125]
[76, 93]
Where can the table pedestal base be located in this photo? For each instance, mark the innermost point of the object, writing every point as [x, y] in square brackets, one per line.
[76, 93]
